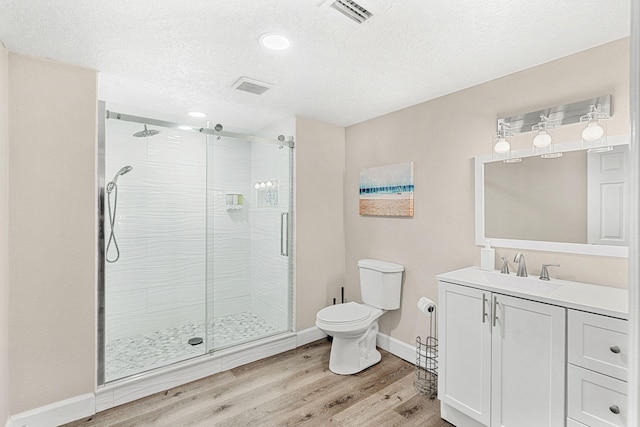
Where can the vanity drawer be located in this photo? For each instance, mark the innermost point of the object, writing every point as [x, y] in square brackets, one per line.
[595, 399]
[598, 343]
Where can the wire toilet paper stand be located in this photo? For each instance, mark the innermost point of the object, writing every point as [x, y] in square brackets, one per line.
[426, 381]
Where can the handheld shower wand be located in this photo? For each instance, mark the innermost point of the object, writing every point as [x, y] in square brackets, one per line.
[112, 184]
[113, 187]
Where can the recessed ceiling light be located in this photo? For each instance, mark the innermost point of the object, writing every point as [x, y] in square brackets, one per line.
[185, 127]
[197, 114]
[274, 41]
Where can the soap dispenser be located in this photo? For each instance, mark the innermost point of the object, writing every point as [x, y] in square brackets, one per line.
[487, 257]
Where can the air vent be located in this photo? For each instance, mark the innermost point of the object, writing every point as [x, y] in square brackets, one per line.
[352, 10]
[250, 85]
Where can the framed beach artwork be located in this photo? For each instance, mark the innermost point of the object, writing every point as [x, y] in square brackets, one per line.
[387, 190]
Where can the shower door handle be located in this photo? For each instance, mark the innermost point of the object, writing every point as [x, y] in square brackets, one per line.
[284, 234]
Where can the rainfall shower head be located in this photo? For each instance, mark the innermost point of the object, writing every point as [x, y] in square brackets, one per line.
[122, 171]
[146, 132]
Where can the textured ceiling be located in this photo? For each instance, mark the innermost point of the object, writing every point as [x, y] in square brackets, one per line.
[177, 56]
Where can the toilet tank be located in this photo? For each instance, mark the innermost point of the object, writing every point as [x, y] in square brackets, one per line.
[380, 283]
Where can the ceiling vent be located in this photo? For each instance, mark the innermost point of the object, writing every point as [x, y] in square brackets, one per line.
[250, 85]
[354, 12]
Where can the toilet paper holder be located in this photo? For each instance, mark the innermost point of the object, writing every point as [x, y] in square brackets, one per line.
[426, 381]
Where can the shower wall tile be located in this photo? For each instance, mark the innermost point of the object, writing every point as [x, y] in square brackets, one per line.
[167, 297]
[123, 302]
[150, 322]
[182, 250]
[160, 228]
[228, 231]
[269, 269]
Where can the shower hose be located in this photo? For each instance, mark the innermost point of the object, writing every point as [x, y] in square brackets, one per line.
[112, 187]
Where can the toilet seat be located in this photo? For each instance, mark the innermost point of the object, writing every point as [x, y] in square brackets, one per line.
[349, 318]
[344, 314]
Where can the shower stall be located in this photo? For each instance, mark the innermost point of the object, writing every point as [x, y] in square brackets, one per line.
[195, 240]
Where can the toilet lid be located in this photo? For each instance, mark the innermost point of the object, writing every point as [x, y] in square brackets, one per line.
[349, 312]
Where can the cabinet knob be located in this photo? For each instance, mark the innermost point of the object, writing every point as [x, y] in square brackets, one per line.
[614, 349]
[614, 409]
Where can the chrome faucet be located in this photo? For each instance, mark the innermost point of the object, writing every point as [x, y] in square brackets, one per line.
[505, 266]
[544, 273]
[522, 266]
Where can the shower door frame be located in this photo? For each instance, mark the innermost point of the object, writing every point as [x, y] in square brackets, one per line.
[103, 115]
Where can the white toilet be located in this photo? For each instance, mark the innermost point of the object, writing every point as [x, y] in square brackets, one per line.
[353, 326]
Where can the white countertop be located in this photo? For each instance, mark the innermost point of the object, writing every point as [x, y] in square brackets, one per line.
[598, 299]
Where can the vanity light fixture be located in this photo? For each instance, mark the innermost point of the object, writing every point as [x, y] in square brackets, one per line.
[543, 137]
[594, 130]
[592, 113]
[502, 145]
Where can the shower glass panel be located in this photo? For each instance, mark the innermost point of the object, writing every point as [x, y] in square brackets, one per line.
[155, 289]
[197, 237]
[248, 199]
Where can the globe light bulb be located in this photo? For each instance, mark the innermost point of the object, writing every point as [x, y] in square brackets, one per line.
[502, 146]
[592, 132]
[542, 139]
[257, 186]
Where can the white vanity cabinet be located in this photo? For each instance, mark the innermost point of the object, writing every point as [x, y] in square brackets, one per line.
[521, 352]
[501, 359]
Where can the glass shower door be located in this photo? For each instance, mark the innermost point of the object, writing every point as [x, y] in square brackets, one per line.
[248, 229]
[155, 266]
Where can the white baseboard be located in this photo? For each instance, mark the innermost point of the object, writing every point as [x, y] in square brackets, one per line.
[397, 348]
[308, 335]
[57, 413]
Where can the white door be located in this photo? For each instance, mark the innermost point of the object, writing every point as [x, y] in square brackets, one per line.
[464, 380]
[606, 197]
[528, 363]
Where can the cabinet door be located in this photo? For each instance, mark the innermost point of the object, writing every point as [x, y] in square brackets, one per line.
[528, 363]
[464, 380]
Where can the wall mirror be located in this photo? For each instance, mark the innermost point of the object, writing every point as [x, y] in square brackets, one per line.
[576, 203]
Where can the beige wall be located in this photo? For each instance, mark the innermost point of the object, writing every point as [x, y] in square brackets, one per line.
[442, 137]
[4, 234]
[52, 235]
[320, 246]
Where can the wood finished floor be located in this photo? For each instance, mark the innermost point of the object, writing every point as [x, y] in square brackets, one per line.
[292, 388]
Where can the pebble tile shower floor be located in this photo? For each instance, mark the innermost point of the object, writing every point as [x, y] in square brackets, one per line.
[137, 353]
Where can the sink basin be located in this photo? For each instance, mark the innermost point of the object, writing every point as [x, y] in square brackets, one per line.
[531, 283]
